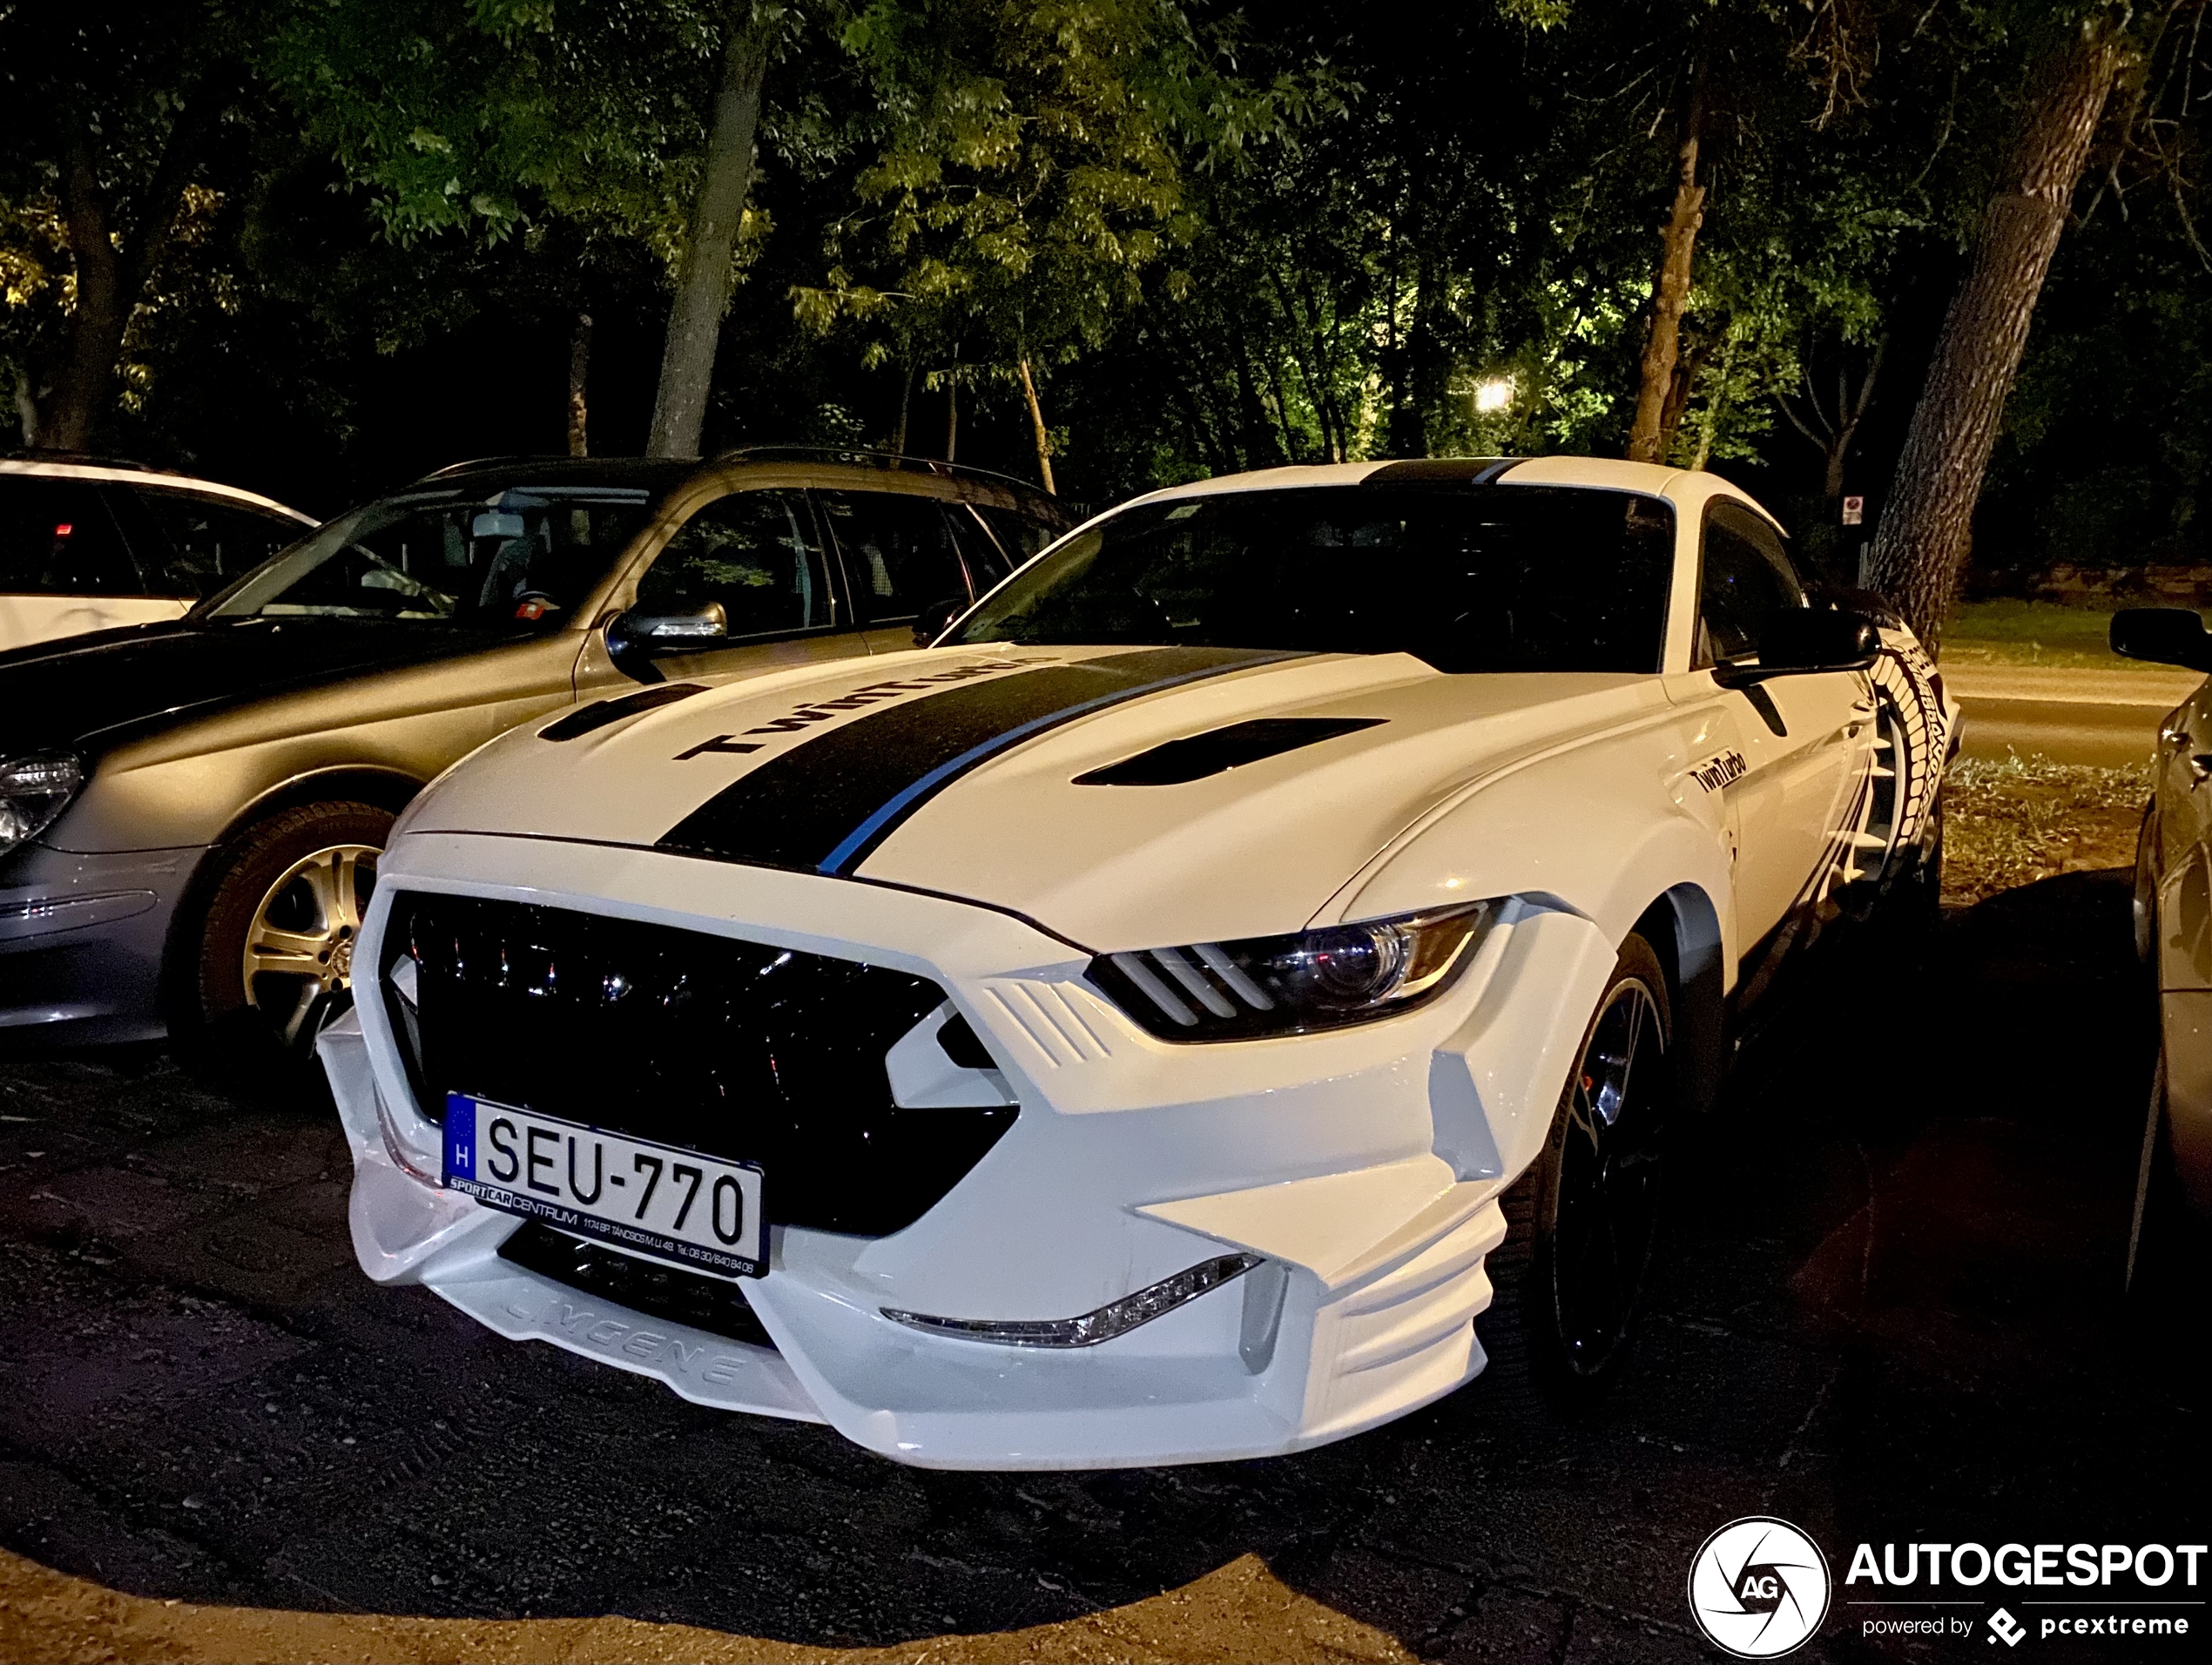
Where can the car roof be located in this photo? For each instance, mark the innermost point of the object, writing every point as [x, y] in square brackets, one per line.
[654, 474]
[664, 474]
[64, 466]
[1686, 486]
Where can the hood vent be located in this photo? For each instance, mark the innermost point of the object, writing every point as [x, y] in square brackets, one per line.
[601, 713]
[1220, 750]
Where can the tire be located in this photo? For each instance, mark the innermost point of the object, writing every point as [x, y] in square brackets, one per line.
[1579, 1225]
[274, 950]
[1912, 906]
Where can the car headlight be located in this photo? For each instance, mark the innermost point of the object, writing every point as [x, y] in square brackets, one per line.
[33, 790]
[1288, 985]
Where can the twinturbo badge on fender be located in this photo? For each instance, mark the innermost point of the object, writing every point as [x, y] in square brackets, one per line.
[822, 805]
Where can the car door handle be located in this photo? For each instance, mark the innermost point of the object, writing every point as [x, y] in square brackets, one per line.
[2200, 769]
[2175, 735]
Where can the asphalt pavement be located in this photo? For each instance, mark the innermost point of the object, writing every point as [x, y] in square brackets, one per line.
[2109, 718]
[1887, 1306]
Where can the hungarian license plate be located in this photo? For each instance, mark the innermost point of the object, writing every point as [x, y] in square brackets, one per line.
[699, 1211]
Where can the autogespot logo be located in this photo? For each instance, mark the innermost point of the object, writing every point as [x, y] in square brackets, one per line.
[1759, 1588]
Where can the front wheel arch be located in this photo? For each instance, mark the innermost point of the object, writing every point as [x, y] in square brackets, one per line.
[207, 1024]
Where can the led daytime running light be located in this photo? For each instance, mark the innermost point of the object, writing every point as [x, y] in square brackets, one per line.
[1116, 1318]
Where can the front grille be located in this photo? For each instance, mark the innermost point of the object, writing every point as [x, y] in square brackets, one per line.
[669, 1293]
[738, 1049]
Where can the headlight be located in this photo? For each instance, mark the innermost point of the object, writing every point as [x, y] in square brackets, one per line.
[1287, 985]
[33, 790]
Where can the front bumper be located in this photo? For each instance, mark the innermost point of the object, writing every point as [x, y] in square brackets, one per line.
[81, 942]
[1363, 1166]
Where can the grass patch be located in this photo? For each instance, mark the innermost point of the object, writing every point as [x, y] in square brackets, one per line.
[2012, 822]
[2030, 632]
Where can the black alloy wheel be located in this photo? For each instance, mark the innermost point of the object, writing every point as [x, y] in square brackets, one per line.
[1570, 1275]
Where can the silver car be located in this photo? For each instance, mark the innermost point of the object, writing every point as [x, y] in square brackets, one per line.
[191, 812]
[2173, 920]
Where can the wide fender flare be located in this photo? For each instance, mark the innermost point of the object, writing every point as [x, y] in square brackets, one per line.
[1582, 847]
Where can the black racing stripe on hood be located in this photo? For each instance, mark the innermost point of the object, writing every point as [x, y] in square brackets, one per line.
[826, 803]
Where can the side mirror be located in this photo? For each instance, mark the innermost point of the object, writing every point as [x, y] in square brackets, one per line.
[637, 631]
[1800, 642]
[935, 618]
[2163, 636]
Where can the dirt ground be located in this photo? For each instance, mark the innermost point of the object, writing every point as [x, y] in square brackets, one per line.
[2009, 823]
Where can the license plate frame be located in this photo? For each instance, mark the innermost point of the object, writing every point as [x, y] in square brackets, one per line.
[474, 1144]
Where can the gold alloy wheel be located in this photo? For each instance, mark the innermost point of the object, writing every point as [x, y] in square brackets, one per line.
[300, 946]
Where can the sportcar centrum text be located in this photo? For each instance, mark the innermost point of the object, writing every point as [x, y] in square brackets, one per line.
[1136, 1028]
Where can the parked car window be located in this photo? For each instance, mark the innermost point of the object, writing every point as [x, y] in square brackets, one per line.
[1475, 578]
[755, 552]
[194, 545]
[989, 560]
[897, 550]
[57, 538]
[1744, 579]
[1019, 535]
[512, 560]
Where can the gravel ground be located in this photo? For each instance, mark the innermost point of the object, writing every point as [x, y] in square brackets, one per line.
[1887, 1306]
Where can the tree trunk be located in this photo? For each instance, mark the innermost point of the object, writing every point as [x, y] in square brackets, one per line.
[1256, 434]
[1926, 526]
[703, 275]
[108, 281]
[26, 407]
[952, 414]
[1670, 292]
[1681, 382]
[97, 324]
[1303, 343]
[905, 403]
[579, 376]
[1218, 458]
[1037, 429]
[1272, 364]
[1849, 414]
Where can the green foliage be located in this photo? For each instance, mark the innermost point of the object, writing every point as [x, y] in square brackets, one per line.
[1032, 167]
[474, 117]
[1221, 239]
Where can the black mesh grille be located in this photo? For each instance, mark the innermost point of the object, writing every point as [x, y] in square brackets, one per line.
[735, 1049]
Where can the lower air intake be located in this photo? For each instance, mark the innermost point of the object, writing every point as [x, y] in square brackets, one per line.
[670, 1293]
[738, 1049]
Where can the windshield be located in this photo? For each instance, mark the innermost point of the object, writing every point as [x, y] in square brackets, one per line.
[510, 560]
[1466, 577]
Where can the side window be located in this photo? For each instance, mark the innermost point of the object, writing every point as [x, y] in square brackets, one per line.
[755, 552]
[1018, 535]
[987, 559]
[57, 538]
[898, 551]
[201, 543]
[1745, 578]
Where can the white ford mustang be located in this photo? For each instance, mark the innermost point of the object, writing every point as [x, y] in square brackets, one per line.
[1108, 1035]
